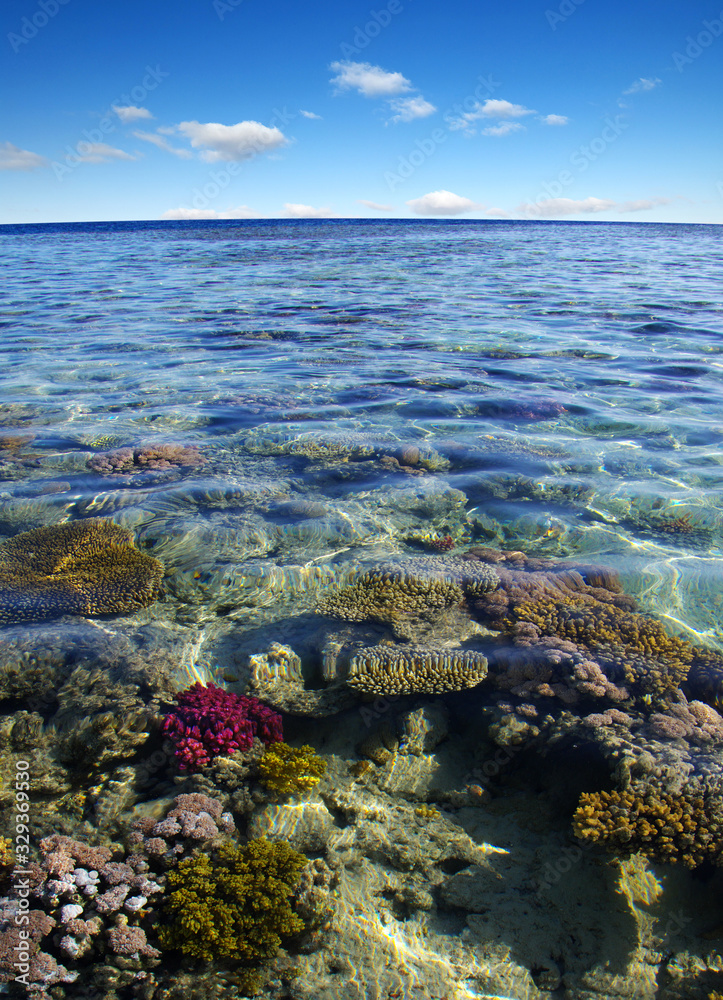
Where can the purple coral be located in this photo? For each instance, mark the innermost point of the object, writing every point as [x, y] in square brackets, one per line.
[210, 722]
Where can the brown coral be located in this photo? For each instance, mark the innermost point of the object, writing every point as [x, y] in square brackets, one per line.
[82, 568]
[683, 829]
[149, 458]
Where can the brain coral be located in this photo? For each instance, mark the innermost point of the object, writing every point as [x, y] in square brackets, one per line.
[81, 568]
[684, 828]
[410, 670]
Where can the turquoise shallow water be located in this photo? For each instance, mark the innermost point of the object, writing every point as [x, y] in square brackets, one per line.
[569, 374]
[272, 408]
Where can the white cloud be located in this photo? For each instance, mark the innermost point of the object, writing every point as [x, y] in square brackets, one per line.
[375, 205]
[643, 204]
[497, 213]
[504, 128]
[554, 120]
[164, 144]
[408, 108]
[441, 203]
[243, 212]
[130, 113]
[368, 80]
[553, 207]
[241, 141]
[14, 158]
[310, 114]
[292, 211]
[100, 152]
[490, 109]
[643, 84]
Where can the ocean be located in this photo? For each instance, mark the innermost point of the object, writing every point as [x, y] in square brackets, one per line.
[279, 410]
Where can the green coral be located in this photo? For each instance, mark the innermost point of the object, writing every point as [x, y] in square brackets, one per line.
[80, 568]
[235, 905]
[286, 770]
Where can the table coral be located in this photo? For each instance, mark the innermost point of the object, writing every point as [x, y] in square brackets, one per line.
[413, 670]
[235, 905]
[210, 722]
[685, 829]
[286, 770]
[81, 567]
[150, 457]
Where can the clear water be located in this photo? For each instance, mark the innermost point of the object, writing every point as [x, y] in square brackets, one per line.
[359, 389]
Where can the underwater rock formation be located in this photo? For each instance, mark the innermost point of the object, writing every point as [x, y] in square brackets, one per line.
[81, 567]
[415, 670]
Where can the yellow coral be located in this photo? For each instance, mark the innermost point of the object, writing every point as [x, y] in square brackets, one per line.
[415, 670]
[287, 770]
[672, 829]
[7, 857]
[82, 568]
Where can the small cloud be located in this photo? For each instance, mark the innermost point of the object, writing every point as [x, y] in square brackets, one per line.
[504, 128]
[241, 141]
[14, 158]
[442, 203]
[373, 204]
[406, 109]
[292, 211]
[130, 113]
[164, 144]
[310, 114]
[497, 213]
[643, 204]
[554, 120]
[490, 109]
[368, 80]
[642, 85]
[243, 212]
[554, 207]
[100, 152]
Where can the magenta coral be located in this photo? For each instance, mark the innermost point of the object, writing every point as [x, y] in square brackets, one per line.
[210, 722]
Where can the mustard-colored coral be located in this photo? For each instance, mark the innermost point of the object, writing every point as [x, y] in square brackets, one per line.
[673, 829]
[415, 670]
[81, 568]
[388, 598]
[287, 770]
[235, 905]
[7, 857]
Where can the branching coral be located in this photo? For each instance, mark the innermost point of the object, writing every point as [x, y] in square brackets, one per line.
[236, 905]
[209, 722]
[412, 670]
[286, 770]
[82, 568]
[684, 829]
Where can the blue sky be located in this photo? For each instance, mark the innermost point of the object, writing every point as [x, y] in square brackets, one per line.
[152, 109]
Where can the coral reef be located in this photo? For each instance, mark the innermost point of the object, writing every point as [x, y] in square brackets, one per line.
[235, 905]
[686, 828]
[287, 770]
[81, 567]
[411, 670]
[154, 458]
[209, 722]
